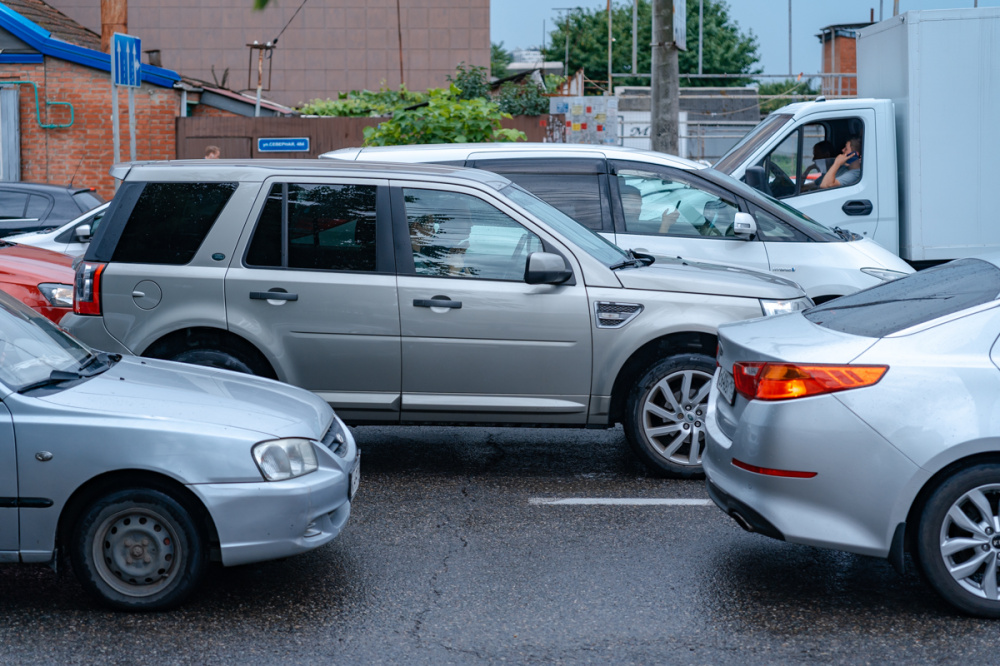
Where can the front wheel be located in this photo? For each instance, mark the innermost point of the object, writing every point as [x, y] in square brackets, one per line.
[958, 540]
[665, 419]
[138, 549]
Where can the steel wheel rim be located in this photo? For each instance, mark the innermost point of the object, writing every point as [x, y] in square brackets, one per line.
[136, 552]
[970, 541]
[673, 416]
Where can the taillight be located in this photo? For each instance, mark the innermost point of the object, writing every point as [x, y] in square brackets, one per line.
[784, 381]
[87, 289]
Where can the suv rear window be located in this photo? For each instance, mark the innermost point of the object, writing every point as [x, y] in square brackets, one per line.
[894, 306]
[170, 221]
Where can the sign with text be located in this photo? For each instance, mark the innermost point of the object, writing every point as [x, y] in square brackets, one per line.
[283, 145]
[126, 60]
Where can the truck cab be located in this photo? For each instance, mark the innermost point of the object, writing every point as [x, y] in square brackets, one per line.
[794, 148]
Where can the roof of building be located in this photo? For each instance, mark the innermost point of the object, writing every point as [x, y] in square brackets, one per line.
[52, 33]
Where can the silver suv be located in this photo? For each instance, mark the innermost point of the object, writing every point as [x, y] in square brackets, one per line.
[413, 294]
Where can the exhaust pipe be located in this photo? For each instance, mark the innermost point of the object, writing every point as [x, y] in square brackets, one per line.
[741, 521]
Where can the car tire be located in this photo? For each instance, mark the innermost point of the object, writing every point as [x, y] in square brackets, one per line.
[218, 358]
[958, 545]
[665, 413]
[138, 550]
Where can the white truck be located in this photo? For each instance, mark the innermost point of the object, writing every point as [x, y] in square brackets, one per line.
[928, 117]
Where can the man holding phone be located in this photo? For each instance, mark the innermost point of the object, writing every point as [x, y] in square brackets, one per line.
[846, 167]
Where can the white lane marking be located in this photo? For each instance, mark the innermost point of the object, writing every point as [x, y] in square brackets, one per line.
[619, 501]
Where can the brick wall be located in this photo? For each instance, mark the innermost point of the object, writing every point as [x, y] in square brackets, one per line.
[840, 55]
[83, 153]
[205, 111]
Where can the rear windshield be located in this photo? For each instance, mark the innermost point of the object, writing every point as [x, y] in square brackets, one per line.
[912, 300]
[87, 199]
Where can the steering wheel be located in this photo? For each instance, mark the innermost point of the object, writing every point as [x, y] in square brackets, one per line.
[779, 182]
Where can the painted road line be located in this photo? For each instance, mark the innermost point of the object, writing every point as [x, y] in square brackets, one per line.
[619, 501]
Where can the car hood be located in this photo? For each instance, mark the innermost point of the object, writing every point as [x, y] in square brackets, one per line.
[695, 277]
[164, 390]
[880, 257]
[32, 265]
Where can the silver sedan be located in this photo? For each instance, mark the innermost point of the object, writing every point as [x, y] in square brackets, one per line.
[871, 424]
[143, 471]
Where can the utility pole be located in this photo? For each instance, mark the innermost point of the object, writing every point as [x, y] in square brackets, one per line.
[666, 88]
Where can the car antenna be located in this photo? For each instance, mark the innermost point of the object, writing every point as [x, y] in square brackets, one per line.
[76, 170]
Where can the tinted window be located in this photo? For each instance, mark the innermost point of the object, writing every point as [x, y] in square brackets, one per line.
[914, 299]
[330, 227]
[580, 197]
[37, 207]
[169, 222]
[458, 235]
[773, 230]
[654, 204]
[12, 205]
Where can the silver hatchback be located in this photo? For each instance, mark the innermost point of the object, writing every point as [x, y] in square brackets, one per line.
[143, 471]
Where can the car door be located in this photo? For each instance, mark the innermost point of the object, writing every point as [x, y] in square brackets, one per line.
[316, 286]
[664, 211]
[8, 489]
[480, 344]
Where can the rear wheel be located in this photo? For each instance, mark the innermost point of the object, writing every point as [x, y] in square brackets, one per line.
[665, 419]
[226, 359]
[958, 540]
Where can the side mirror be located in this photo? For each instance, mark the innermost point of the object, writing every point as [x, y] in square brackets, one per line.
[744, 226]
[82, 233]
[546, 268]
[757, 179]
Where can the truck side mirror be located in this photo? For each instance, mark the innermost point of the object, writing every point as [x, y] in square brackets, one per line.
[744, 226]
[757, 179]
[546, 268]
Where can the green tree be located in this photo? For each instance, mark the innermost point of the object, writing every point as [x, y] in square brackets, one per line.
[499, 59]
[471, 81]
[727, 50]
[445, 119]
[787, 91]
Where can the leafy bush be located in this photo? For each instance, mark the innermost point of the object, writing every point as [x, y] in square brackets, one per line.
[472, 82]
[364, 103]
[524, 99]
[447, 118]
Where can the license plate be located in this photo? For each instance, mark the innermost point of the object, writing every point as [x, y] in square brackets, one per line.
[355, 477]
[727, 387]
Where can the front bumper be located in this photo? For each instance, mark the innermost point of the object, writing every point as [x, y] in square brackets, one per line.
[851, 504]
[269, 520]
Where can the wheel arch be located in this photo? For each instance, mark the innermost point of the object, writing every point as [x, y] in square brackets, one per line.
[689, 342]
[188, 338]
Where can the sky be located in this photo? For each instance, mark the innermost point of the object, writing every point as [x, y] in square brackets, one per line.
[519, 23]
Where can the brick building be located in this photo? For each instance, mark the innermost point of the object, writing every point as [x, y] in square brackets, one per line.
[329, 46]
[840, 56]
[66, 135]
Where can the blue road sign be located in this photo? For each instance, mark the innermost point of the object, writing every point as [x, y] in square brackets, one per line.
[126, 60]
[283, 145]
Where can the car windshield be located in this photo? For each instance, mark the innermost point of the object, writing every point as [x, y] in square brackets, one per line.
[31, 346]
[593, 244]
[749, 143]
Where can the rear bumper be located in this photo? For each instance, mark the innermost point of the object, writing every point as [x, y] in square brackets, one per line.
[745, 517]
[92, 332]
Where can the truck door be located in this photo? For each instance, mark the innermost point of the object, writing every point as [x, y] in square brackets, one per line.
[797, 168]
[8, 489]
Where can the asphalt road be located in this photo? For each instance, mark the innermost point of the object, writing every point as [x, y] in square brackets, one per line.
[451, 558]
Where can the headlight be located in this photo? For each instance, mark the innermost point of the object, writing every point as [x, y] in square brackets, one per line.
[282, 459]
[883, 274]
[59, 295]
[770, 307]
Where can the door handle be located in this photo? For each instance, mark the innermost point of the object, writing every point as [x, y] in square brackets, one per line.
[273, 296]
[437, 302]
[857, 207]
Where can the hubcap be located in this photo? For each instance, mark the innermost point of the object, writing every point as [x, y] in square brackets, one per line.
[136, 552]
[970, 545]
[672, 418]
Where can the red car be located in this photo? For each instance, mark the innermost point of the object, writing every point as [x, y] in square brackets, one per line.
[41, 279]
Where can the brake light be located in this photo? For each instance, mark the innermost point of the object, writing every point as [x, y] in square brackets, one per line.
[87, 288]
[784, 381]
[770, 471]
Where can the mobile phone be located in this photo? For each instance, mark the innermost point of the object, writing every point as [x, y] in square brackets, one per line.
[852, 158]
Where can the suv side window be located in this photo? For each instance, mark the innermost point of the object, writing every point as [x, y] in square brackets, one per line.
[316, 227]
[458, 235]
[169, 222]
[773, 230]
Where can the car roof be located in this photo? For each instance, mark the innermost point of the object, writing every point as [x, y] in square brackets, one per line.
[253, 170]
[21, 185]
[455, 152]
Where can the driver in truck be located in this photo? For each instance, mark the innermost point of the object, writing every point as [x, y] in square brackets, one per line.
[846, 167]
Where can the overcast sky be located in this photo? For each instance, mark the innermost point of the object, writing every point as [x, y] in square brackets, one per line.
[519, 23]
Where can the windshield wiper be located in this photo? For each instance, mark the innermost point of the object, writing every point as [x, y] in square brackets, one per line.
[632, 261]
[59, 376]
[844, 233]
[55, 377]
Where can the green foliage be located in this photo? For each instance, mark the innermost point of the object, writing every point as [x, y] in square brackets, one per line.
[364, 103]
[522, 99]
[447, 118]
[790, 91]
[471, 81]
[499, 59]
[552, 82]
[726, 50]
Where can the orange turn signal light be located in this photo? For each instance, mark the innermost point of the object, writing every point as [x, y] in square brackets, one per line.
[784, 381]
